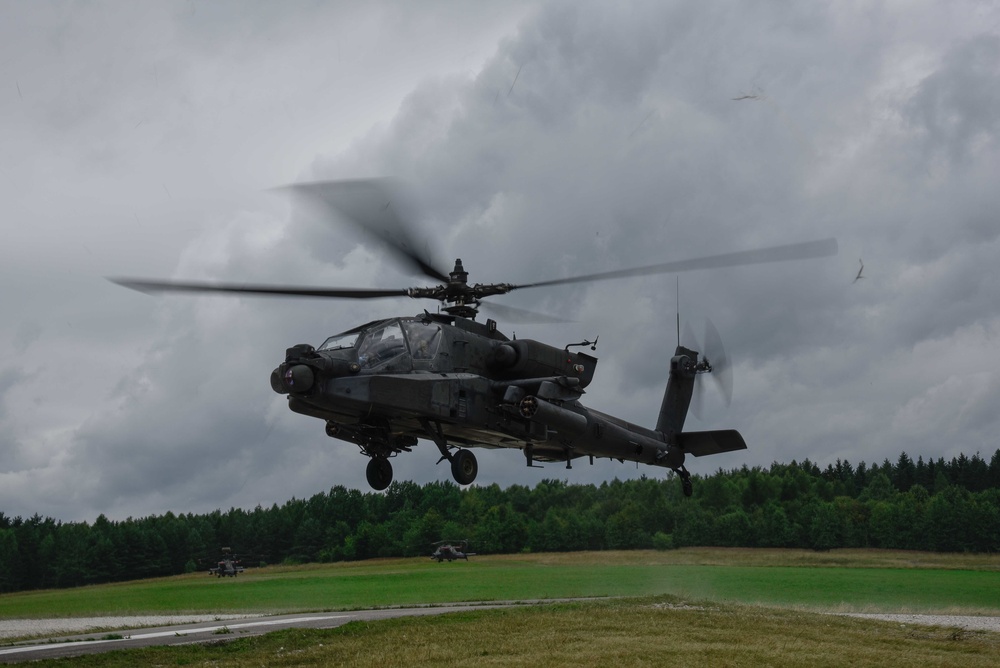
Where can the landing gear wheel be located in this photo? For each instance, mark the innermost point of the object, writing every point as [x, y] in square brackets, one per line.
[379, 473]
[685, 480]
[464, 467]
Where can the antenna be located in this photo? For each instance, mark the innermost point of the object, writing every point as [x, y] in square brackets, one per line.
[678, 311]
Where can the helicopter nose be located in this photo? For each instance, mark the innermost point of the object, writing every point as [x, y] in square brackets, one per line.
[293, 377]
[298, 378]
[276, 382]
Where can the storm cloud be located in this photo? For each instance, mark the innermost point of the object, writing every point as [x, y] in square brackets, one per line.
[539, 141]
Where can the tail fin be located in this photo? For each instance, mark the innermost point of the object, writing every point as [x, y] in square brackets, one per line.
[677, 397]
[673, 411]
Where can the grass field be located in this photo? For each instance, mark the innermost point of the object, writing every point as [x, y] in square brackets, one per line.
[684, 607]
[646, 632]
[861, 581]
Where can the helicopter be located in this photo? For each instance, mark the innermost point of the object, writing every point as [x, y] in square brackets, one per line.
[228, 565]
[450, 550]
[461, 383]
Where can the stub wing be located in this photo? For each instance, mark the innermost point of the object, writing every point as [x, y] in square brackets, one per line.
[701, 443]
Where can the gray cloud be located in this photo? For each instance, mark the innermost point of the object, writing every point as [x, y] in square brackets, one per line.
[955, 107]
[539, 143]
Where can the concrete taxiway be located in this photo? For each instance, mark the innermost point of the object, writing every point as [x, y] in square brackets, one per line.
[215, 630]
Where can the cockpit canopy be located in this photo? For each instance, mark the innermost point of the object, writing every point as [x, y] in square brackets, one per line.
[381, 341]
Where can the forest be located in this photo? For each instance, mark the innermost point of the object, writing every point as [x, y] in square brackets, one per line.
[943, 506]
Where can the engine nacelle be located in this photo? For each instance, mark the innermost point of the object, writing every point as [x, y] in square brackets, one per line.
[524, 358]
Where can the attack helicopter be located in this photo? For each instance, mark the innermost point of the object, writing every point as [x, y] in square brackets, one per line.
[461, 383]
[227, 567]
[450, 550]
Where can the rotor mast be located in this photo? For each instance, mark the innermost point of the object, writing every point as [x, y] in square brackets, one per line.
[463, 299]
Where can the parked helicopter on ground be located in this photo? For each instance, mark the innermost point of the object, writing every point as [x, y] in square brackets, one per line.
[461, 383]
[228, 566]
[450, 550]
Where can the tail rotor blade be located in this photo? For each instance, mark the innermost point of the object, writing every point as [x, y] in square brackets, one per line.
[698, 397]
[712, 350]
[722, 370]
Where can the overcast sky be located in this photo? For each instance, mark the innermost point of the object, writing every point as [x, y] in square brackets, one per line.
[540, 141]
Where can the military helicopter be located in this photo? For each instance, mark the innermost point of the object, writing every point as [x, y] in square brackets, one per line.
[460, 383]
[450, 550]
[227, 567]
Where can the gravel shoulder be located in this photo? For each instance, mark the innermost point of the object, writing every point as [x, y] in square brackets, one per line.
[966, 622]
[22, 628]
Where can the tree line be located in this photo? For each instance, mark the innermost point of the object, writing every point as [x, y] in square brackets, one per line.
[945, 506]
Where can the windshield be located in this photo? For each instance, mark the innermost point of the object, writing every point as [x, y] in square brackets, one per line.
[381, 344]
[424, 338]
[386, 340]
[338, 341]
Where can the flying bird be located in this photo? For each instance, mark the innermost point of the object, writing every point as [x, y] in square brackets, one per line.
[755, 94]
[859, 276]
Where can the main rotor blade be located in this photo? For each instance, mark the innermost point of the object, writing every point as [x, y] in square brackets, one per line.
[799, 251]
[155, 287]
[379, 209]
[520, 316]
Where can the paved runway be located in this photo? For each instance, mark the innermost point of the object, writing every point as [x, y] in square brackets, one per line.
[216, 630]
[93, 643]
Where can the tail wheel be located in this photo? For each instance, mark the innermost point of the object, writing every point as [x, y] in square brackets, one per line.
[379, 473]
[464, 467]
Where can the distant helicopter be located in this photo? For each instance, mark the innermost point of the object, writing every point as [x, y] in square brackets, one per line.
[450, 550]
[461, 383]
[227, 567]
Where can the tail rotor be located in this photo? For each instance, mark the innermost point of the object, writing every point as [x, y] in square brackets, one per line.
[714, 360]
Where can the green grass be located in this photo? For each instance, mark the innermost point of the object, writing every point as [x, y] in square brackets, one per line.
[686, 607]
[634, 632]
[841, 580]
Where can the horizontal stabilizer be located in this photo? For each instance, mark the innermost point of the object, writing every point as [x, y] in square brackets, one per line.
[701, 443]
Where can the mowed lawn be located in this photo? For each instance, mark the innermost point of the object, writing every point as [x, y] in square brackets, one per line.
[840, 580]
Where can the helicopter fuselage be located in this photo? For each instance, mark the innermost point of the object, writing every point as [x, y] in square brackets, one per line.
[461, 384]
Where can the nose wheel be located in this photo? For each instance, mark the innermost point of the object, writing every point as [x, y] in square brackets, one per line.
[379, 472]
